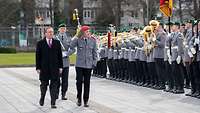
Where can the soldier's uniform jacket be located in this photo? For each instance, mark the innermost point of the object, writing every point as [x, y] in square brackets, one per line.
[176, 39]
[103, 52]
[131, 51]
[110, 53]
[86, 52]
[65, 41]
[138, 47]
[127, 49]
[122, 50]
[167, 41]
[192, 45]
[158, 51]
[116, 52]
[186, 48]
[142, 55]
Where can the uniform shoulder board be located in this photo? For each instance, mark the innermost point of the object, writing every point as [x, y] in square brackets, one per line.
[92, 37]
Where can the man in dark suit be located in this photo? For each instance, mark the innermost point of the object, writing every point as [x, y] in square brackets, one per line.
[49, 65]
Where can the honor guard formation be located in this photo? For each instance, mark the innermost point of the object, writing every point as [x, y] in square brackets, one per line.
[159, 56]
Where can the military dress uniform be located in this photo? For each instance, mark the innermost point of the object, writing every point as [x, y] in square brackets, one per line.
[186, 58]
[86, 59]
[194, 44]
[177, 51]
[158, 55]
[65, 41]
[103, 54]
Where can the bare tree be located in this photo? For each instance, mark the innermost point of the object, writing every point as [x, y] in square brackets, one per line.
[9, 13]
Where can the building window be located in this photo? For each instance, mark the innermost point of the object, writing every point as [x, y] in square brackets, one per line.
[85, 14]
[48, 13]
[88, 14]
[92, 14]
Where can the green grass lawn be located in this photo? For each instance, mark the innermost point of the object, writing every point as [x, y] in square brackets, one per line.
[22, 59]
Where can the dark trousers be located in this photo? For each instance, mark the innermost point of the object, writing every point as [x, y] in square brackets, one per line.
[98, 68]
[138, 71]
[168, 75]
[53, 87]
[196, 75]
[103, 67]
[110, 67]
[187, 75]
[144, 72]
[64, 81]
[177, 75]
[160, 71]
[131, 70]
[152, 73]
[116, 70]
[83, 76]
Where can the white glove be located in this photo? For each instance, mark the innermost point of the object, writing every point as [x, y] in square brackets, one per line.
[64, 54]
[196, 41]
[60, 70]
[170, 59]
[168, 35]
[190, 54]
[178, 59]
[38, 71]
[193, 51]
[168, 53]
[154, 39]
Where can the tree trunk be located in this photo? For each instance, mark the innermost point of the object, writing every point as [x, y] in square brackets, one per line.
[180, 11]
[118, 13]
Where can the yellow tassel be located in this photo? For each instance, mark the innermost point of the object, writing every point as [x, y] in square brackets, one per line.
[74, 16]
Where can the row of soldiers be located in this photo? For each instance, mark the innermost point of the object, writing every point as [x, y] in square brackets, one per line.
[154, 57]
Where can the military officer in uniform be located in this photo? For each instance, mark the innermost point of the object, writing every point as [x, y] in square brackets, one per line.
[65, 40]
[177, 51]
[158, 54]
[195, 50]
[86, 60]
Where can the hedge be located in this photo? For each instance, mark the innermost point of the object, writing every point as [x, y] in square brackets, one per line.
[7, 50]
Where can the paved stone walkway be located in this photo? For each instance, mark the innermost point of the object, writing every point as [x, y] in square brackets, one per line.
[19, 93]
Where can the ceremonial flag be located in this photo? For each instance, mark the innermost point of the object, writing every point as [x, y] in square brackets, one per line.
[166, 7]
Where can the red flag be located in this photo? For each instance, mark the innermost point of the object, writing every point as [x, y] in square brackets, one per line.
[166, 7]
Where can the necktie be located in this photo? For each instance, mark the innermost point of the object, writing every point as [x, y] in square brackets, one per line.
[62, 37]
[49, 43]
[85, 40]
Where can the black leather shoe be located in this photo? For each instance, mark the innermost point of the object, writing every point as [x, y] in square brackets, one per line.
[190, 93]
[78, 103]
[64, 98]
[86, 104]
[53, 106]
[41, 102]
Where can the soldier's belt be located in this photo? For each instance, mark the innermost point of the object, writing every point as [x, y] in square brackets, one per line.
[139, 48]
[166, 47]
[115, 50]
[175, 47]
[132, 50]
